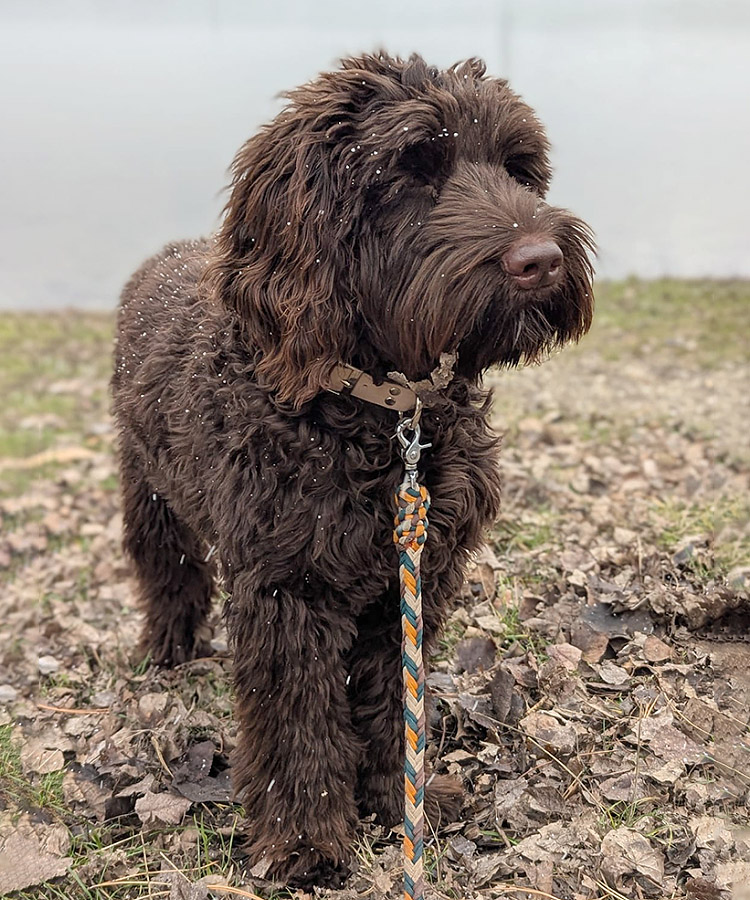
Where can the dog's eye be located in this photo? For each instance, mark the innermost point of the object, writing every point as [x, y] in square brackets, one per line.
[424, 162]
[522, 169]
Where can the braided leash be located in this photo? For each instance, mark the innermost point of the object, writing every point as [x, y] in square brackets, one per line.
[410, 533]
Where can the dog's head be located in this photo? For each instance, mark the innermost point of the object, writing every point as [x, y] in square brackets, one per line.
[393, 212]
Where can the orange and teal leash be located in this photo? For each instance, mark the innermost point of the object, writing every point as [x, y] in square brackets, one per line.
[412, 503]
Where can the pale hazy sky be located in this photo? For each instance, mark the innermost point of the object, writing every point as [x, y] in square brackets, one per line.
[119, 119]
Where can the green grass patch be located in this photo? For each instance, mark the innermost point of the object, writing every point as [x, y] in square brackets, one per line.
[516, 634]
[22, 442]
[721, 530]
[537, 528]
[33, 344]
[18, 792]
[707, 321]
[214, 852]
[449, 638]
[40, 353]
[16, 481]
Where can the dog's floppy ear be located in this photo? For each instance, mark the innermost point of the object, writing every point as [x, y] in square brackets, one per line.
[278, 262]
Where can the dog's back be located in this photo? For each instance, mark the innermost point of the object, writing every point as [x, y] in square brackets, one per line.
[157, 303]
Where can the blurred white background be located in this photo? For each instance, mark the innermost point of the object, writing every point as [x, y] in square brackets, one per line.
[119, 119]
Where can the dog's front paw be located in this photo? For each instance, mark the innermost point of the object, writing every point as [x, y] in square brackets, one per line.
[382, 795]
[167, 650]
[298, 866]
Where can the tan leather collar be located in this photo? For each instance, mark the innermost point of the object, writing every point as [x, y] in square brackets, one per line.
[349, 380]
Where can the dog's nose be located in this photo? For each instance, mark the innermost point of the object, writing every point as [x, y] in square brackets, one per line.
[533, 263]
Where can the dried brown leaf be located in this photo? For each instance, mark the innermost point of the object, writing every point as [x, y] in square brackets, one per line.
[161, 809]
[549, 733]
[23, 863]
[476, 654]
[627, 853]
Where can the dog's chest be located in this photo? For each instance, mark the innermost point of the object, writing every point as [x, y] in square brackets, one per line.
[325, 491]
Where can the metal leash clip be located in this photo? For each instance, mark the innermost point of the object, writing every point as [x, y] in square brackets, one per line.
[408, 433]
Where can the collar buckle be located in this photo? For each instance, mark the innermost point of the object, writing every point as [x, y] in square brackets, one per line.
[350, 381]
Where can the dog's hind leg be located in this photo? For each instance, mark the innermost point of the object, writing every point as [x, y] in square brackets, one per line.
[175, 582]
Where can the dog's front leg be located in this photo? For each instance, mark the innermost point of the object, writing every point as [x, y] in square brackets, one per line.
[295, 764]
[375, 688]
[377, 710]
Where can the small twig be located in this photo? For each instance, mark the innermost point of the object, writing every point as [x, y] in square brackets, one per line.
[238, 892]
[610, 715]
[638, 746]
[442, 737]
[199, 659]
[639, 547]
[94, 711]
[512, 889]
[145, 863]
[610, 892]
[157, 749]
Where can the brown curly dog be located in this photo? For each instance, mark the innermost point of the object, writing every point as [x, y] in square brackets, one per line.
[390, 214]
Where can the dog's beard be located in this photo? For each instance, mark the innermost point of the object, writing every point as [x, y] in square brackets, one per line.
[450, 305]
[522, 326]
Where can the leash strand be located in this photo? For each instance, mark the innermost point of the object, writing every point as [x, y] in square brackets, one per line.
[412, 503]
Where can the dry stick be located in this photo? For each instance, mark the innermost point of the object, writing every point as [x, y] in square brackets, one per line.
[611, 892]
[648, 710]
[94, 711]
[199, 659]
[609, 715]
[639, 547]
[157, 749]
[442, 738]
[238, 892]
[141, 884]
[145, 863]
[512, 889]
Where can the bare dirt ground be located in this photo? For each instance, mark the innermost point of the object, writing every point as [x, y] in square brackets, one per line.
[592, 687]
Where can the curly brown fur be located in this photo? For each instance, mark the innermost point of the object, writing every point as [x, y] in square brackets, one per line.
[366, 224]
